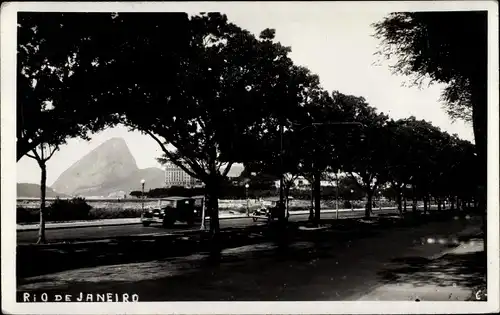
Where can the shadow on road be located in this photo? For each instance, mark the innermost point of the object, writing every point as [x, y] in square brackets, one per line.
[62, 257]
[55, 258]
[325, 264]
[464, 268]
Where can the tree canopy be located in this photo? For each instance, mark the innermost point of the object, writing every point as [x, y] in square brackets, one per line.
[446, 47]
[73, 80]
[212, 94]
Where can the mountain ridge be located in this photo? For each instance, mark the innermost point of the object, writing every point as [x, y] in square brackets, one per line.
[108, 168]
[30, 190]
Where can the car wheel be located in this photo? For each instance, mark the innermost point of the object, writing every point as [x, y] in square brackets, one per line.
[168, 223]
[254, 219]
[146, 224]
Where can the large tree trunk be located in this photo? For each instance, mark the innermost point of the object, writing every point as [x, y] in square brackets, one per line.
[452, 203]
[404, 203]
[414, 198]
[311, 209]
[213, 205]
[287, 193]
[399, 201]
[317, 198]
[479, 123]
[439, 203]
[425, 204]
[368, 207]
[43, 183]
[212, 190]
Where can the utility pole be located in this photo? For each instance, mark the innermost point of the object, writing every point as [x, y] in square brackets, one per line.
[142, 194]
[337, 195]
[282, 195]
[246, 197]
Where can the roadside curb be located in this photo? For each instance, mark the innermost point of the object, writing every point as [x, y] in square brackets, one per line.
[74, 225]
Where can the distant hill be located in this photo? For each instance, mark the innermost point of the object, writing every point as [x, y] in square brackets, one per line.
[26, 190]
[112, 161]
[108, 170]
[154, 178]
[111, 170]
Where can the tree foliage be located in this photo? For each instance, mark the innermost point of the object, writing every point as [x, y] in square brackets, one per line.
[212, 94]
[445, 47]
[227, 86]
[73, 80]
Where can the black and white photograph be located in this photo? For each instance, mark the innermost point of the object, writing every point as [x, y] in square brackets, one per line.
[250, 157]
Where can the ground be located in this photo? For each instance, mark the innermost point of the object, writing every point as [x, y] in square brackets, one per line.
[327, 264]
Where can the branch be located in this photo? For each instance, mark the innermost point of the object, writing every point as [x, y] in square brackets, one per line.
[31, 156]
[228, 168]
[171, 157]
[356, 181]
[195, 167]
[52, 153]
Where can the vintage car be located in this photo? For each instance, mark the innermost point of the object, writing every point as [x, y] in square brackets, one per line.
[174, 209]
[269, 212]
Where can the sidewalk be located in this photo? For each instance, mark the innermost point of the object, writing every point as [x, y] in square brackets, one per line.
[452, 275]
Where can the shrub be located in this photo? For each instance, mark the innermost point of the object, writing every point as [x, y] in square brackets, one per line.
[64, 210]
[27, 215]
[114, 213]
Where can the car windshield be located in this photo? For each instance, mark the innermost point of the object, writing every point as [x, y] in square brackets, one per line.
[166, 203]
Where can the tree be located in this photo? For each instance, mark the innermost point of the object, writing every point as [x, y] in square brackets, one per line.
[227, 84]
[457, 179]
[48, 59]
[322, 136]
[74, 80]
[41, 155]
[444, 47]
[363, 155]
[399, 172]
[136, 193]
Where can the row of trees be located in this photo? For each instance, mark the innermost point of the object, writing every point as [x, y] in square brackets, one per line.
[211, 94]
[377, 153]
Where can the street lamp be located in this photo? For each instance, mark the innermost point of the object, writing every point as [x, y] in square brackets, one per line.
[142, 195]
[246, 197]
[379, 200]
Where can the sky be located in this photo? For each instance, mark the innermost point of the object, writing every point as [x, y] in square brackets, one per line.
[335, 43]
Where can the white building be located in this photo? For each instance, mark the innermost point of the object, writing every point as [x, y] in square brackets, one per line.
[175, 176]
[302, 183]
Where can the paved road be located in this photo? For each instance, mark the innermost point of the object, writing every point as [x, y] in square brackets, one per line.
[97, 232]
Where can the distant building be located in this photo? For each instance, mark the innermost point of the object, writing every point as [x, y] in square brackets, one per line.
[303, 184]
[175, 176]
